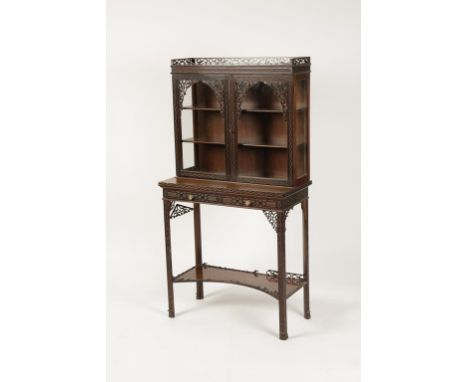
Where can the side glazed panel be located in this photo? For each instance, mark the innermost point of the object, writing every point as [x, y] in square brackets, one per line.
[301, 128]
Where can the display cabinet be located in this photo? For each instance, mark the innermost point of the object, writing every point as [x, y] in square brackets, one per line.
[241, 129]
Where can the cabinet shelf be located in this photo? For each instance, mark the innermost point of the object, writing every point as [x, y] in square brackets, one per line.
[262, 110]
[243, 177]
[263, 146]
[202, 142]
[255, 280]
[196, 108]
[201, 169]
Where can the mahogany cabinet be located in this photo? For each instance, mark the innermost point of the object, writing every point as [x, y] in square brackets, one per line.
[241, 129]
[243, 123]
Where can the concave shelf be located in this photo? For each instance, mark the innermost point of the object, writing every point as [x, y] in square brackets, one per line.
[262, 110]
[201, 108]
[255, 280]
[262, 146]
[201, 141]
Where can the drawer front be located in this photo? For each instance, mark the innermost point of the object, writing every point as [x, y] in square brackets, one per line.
[236, 201]
[192, 196]
[248, 202]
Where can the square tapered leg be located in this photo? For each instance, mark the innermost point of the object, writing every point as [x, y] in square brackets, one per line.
[305, 244]
[198, 249]
[281, 249]
[167, 230]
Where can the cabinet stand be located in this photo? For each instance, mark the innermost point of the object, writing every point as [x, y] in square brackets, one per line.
[278, 284]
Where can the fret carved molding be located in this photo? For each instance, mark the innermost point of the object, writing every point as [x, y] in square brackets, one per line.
[241, 61]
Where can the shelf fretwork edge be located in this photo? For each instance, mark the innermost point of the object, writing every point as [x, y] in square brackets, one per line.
[235, 61]
[291, 278]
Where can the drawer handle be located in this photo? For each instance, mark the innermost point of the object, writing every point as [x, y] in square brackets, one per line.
[190, 197]
[247, 203]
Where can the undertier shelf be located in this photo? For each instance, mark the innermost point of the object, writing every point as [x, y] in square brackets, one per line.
[265, 282]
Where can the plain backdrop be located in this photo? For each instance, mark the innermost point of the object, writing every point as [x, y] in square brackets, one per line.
[231, 335]
[52, 213]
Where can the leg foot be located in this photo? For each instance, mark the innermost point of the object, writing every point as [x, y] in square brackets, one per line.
[200, 295]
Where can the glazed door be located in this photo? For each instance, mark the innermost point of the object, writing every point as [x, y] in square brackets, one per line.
[201, 128]
[261, 138]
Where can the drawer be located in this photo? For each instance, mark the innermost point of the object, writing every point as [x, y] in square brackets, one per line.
[237, 201]
[248, 202]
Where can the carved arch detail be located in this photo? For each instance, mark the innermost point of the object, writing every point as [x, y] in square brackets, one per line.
[182, 87]
[280, 90]
[217, 87]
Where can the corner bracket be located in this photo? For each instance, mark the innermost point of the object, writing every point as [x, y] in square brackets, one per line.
[178, 210]
[272, 217]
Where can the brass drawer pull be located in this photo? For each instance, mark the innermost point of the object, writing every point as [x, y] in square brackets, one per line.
[247, 203]
[190, 197]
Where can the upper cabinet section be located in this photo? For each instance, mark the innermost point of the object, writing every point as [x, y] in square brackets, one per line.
[242, 119]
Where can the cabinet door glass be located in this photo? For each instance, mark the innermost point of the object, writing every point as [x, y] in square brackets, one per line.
[301, 97]
[262, 139]
[202, 131]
